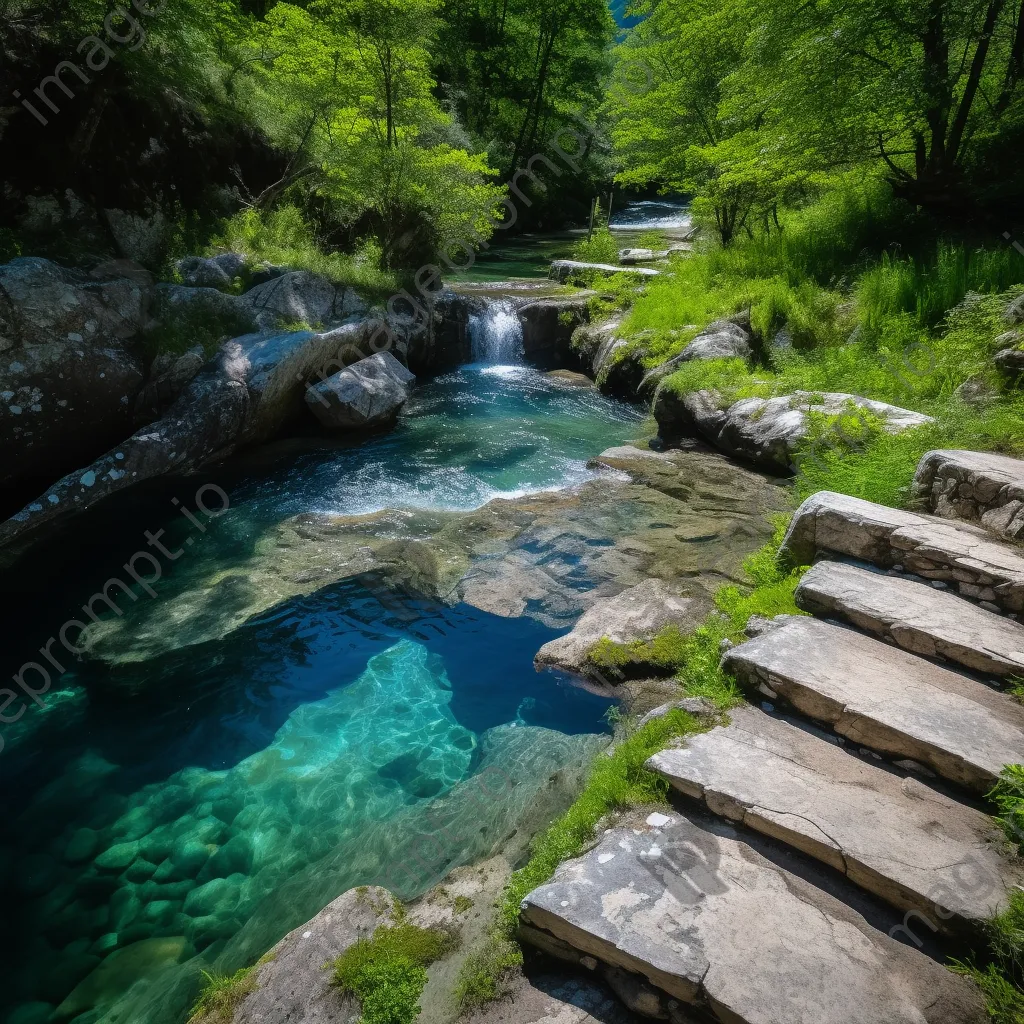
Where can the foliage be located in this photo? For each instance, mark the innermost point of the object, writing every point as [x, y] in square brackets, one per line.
[388, 971]
[221, 995]
[483, 976]
[602, 247]
[1000, 979]
[282, 237]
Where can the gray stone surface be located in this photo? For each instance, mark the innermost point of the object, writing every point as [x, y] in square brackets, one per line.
[885, 699]
[637, 613]
[979, 487]
[548, 326]
[292, 985]
[895, 837]
[562, 270]
[711, 922]
[1010, 360]
[768, 431]
[301, 297]
[965, 556]
[367, 394]
[630, 257]
[922, 620]
[69, 366]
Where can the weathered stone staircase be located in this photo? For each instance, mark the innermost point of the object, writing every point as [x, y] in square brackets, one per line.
[831, 838]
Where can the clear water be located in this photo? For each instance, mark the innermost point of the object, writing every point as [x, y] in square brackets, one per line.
[187, 809]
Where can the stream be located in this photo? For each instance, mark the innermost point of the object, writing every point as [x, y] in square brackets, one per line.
[258, 738]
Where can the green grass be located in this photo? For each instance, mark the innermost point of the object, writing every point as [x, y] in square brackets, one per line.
[283, 238]
[484, 975]
[221, 996]
[388, 972]
[601, 247]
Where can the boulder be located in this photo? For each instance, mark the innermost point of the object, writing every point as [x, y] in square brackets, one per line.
[768, 431]
[366, 394]
[721, 340]
[630, 257]
[290, 983]
[1010, 361]
[637, 613]
[301, 297]
[212, 271]
[69, 366]
[616, 365]
[1014, 313]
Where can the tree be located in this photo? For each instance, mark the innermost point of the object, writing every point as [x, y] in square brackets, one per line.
[919, 85]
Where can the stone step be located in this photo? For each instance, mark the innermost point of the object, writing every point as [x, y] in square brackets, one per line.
[886, 699]
[711, 921]
[980, 487]
[915, 848]
[920, 619]
[966, 557]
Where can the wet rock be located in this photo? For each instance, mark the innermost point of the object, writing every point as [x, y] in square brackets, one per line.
[117, 858]
[69, 366]
[570, 377]
[768, 431]
[121, 969]
[637, 613]
[366, 394]
[548, 326]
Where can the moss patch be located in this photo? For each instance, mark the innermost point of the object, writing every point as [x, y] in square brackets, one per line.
[388, 972]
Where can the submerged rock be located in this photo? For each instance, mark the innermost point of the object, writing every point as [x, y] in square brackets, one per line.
[369, 393]
[637, 613]
[769, 431]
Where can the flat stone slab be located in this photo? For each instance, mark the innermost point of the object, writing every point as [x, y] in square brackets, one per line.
[564, 269]
[895, 837]
[886, 699]
[711, 922]
[981, 487]
[965, 556]
[920, 619]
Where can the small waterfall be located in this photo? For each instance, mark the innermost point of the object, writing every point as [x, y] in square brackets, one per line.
[496, 334]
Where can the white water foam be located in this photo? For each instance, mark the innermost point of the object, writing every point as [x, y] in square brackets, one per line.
[496, 334]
